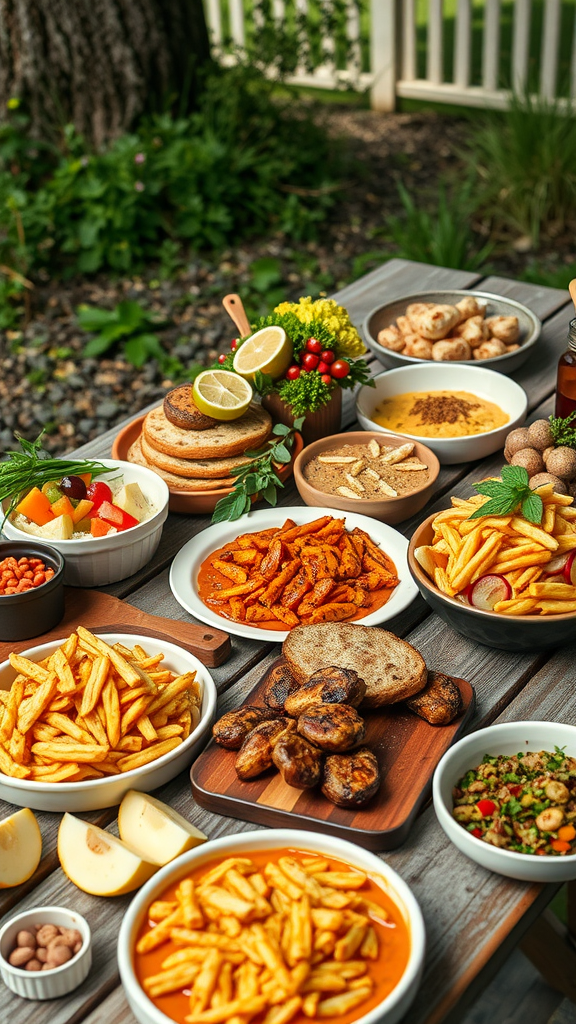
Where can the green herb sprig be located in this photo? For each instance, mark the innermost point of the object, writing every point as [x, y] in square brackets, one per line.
[507, 495]
[258, 477]
[33, 467]
[564, 435]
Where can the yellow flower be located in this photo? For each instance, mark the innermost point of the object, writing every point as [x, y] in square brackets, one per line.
[335, 318]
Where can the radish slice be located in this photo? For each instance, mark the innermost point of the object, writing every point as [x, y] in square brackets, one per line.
[557, 565]
[488, 590]
[570, 570]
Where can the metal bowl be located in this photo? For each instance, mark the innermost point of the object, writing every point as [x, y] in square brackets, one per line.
[496, 305]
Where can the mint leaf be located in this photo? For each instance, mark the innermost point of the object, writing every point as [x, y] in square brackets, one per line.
[280, 428]
[280, 453]
[492, 488]
[269, 493]
[495, 507]
[533, 508]
[515, 476]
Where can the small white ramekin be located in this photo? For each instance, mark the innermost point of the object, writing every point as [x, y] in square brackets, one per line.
[45, 984]
[97, 561]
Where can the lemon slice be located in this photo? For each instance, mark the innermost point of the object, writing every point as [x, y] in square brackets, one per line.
[221, 394]
[269, 350]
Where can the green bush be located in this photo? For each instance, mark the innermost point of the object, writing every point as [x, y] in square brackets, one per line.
[242, 164]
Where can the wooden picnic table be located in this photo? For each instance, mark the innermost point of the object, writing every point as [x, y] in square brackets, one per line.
[473, 918]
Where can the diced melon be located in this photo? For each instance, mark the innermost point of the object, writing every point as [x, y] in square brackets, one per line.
[98, 528]
[20, 848]
[97, 861]
[82, 510]
[63, 507]
[61, 528]
[36, 507]
[132, 501]
[158, 833]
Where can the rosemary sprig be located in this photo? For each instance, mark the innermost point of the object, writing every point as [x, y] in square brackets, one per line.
[33, 467]
[258, 477]
[508, 494]
[564, 435]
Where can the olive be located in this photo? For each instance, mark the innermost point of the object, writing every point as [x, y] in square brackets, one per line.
[73, 487]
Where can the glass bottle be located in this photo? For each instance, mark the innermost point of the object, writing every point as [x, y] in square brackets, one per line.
[566, 380]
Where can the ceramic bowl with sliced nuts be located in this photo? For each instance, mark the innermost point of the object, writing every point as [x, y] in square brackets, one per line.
[388, 477]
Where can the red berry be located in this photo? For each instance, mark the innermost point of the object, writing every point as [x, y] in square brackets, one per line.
[326, 379]
[313, 345]
[222, 358]
[327, 356]
[292, 373]
[323, 367]
[310, 361]
[234, 344]
[340, 369]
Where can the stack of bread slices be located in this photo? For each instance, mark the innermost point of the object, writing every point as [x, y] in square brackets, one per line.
[193, 452]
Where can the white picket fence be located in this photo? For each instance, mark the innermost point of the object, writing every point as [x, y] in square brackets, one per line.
[393, 52]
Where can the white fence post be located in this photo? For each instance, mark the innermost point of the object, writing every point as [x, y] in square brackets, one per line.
[434, 63]
[383, 43]
[550, 45]
[491, 45]
[463, 44]
[521, 46]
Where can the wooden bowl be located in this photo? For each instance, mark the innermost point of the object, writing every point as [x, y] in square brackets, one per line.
[387, 510]
[196, 503]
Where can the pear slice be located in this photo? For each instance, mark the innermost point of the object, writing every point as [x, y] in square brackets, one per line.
[158, 833]
[97, 861]
[20, 848]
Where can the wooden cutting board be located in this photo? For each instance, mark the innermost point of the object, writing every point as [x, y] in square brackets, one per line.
[98, 611]
[408, 750]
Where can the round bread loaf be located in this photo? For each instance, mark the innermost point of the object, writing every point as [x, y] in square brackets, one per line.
[176, 483]
[202, 468]
[228, 438]
[180, 408]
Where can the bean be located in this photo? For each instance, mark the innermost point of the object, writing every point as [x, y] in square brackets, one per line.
[10, 590]
[33, 965]
[35, 562]
[28, 575]
[26, 939]
[46, 933]
[39, 578]
[21, 955]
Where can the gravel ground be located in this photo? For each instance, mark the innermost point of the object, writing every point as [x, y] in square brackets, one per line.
[45, 381]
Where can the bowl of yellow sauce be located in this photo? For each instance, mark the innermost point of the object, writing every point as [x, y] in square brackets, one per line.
[463, 413]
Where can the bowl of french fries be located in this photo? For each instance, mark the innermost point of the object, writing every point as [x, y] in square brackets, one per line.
[501, 580]
[86, 718]
[272, 926]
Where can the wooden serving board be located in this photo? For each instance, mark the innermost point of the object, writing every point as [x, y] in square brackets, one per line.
[101, 612]
[408, 750]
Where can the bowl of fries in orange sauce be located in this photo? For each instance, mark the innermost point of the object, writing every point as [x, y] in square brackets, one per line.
[274, 927]
[501, 580]
[85, 719]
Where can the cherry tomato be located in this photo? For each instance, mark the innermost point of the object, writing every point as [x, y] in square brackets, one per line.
[327, 356]
[310, 361]
[222, 358]
[293, 372]
[476, 832]
[326, 379]
[340, 369]
[323, 367]
[98, 492]
[313, 345]
[486, 807]
[234, 344]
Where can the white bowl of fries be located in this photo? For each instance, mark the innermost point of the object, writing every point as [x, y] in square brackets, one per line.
[285, 959]
[88, 718]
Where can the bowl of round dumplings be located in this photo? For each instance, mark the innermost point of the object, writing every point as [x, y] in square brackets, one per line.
[453, 326]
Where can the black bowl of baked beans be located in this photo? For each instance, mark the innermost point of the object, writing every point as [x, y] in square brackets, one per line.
[31, 589]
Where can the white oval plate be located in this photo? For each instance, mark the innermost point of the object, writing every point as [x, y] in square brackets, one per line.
[184, 569]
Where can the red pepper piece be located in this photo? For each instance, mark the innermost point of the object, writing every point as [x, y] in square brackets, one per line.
[515, 790]
[98, 492]
[486, 807]
[116, 516]
[476, 832]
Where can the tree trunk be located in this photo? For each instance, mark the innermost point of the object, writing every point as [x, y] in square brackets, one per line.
[98, 64]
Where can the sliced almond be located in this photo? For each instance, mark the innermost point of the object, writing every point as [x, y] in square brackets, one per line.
[354, 482]
[374, 448]
[347, 493]
[337, 460]
[371, 473]
[357, 467]
[398, 454]
[407, 467]
[387, 490]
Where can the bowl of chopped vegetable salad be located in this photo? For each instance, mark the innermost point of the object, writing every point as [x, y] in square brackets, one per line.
[506, 797]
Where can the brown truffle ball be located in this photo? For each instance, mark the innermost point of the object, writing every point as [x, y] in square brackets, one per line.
[530, 459]
[562, 462]
[572, 488]
[516, 440]
[547, 451]
[547, 478]
[540, 435]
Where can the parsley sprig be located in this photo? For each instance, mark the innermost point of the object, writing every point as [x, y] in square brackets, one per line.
[258, 477]
[507, 495]
[563, 430]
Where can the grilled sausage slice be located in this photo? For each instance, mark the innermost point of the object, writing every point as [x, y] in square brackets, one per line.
[439, 702]
[280, 685]
[255, 754]
[332, 727]
[299, 763]
[327, 686]
[351, 780]
[231, 730]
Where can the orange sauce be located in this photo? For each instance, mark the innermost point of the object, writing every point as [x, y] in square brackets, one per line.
[210, 580]
[386, 971]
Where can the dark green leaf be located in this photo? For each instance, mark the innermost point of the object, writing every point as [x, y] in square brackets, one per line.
[280, 453]
[223, 509]
[281, 429]
[492, 488]
[515, 476]
[270, 494]
[495, 507]
[96, 346]
[136, 351]
[533, 508]
[251, 484]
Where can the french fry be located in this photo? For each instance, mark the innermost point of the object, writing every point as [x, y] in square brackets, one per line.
[151, 753]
